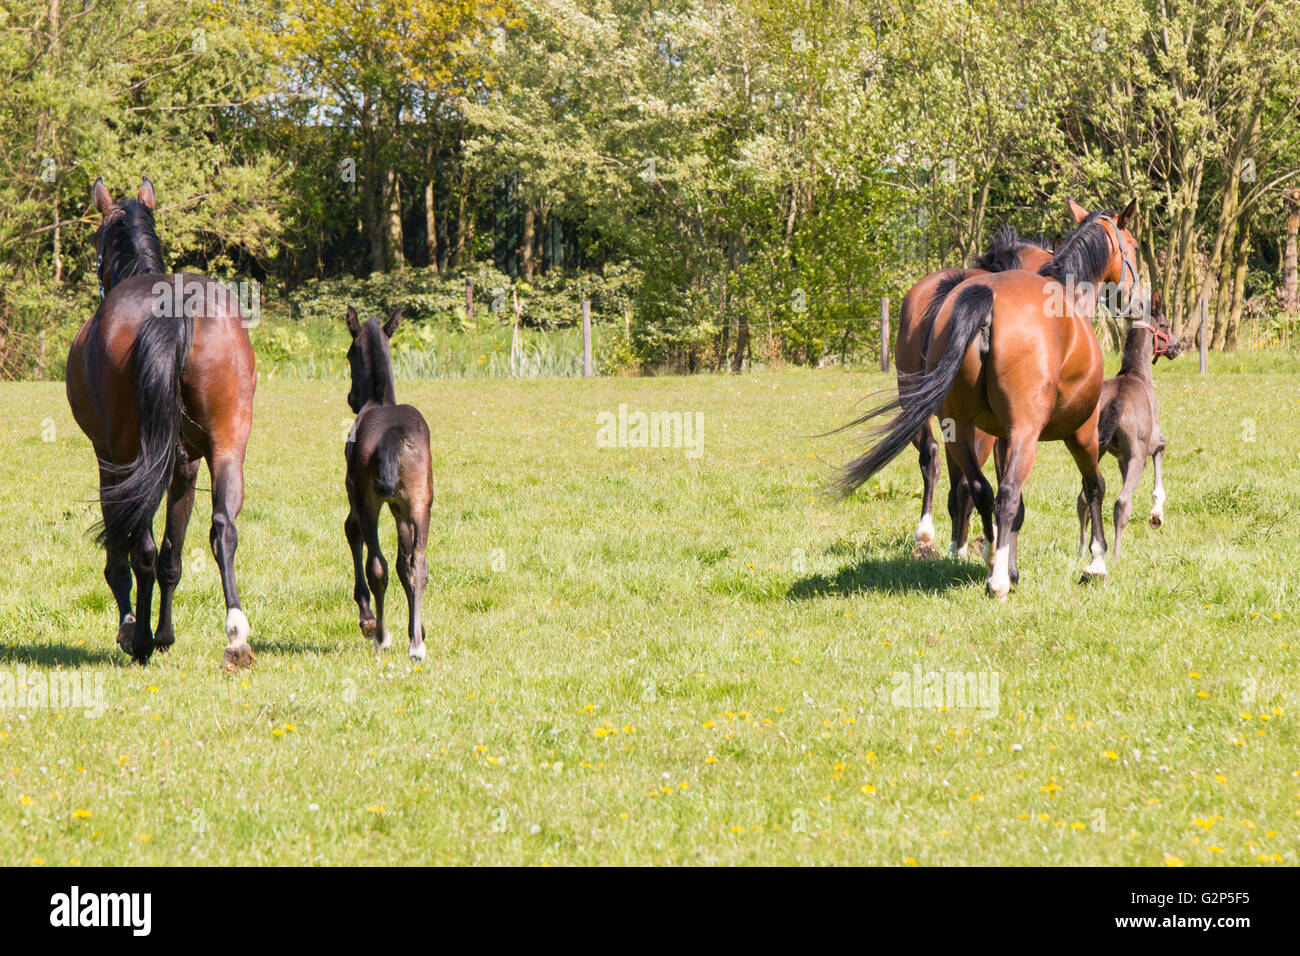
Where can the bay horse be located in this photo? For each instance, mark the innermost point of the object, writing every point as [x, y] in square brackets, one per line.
[1128, 421]
[1013, 354]
[388, 463]
[160, 378]
[916, 320]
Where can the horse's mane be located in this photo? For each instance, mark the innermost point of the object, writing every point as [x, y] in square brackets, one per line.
[1003, 252]
[378, 364]
[1083, 254]
[130, 244]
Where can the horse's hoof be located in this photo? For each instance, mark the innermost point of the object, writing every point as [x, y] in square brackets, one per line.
[368, 628]
[926, 551]
[1156, 519]
[384, 640]
[1088, 577]
[417, 652]
[237, 656]
[163, 642]
[998, 590]
[126, 633]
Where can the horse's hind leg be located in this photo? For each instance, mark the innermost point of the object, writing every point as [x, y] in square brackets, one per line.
[966, 452]
[960, 505]
[413, 572]
[1021, 450]
[144, 559]
[928, 449]
[376, 574]
[180, 502]
[227, 500]
[117, 574]
[1131, 469]
[1157, 517]
[360, 591]
[1083, 449]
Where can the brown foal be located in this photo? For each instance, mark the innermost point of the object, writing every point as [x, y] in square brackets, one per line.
[1128, 423]
[160, 379]
[1013, 354]
[388, 464]
[920, 305]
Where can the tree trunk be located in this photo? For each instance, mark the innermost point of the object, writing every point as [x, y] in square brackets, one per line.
[372, 194]
[393, 221]
[527, 240]
[1290, 287]
[431, 224]
[1238, 288]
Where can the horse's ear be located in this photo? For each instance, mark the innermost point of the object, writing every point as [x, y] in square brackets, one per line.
[1078, 212]
[145, 195]
[354, 325]
[1127, 214]
[393, 321]
[103, 201]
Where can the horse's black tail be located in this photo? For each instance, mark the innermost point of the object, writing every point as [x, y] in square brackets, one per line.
[1107, 424]
[920, 395]
[386, 455]
[129, 502]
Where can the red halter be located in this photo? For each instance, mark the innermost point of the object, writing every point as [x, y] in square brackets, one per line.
[1159, 337]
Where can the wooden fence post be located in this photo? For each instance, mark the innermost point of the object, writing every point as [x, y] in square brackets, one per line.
[469, 299]
[587, 371]
[884, 334]
[514, 335]
[1205, 334]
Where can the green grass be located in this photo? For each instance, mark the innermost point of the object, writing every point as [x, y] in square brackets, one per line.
[636, 657]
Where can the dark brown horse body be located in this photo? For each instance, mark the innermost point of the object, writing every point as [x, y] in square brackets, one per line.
[1013, 354]
[1128, 423]
[389, 463]
[916, 320]
[160, 382]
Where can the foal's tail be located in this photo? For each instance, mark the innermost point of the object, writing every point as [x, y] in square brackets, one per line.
[920, 395]
[129, 502]
[386, 455]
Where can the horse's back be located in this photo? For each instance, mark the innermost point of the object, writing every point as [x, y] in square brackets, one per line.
[1037, 360]
[909, 344]
[400, 430]
[219, 370]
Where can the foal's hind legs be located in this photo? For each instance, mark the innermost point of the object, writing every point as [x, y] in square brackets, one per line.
[360, 591]
[227, 500]
[180, 502]
[1083, 449]
[413, 572]
[377, 576]
[928, 450]
[1131, 469]
[1157, 517]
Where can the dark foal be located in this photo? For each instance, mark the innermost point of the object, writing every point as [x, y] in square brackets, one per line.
[1128, 425]
[388, 463]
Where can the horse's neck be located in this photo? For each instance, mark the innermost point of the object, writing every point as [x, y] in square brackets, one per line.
[381, 389]
[1138, 348]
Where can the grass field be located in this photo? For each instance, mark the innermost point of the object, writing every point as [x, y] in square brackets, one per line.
[636, 656]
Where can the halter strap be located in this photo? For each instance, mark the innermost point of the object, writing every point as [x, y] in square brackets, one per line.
[1129, 268]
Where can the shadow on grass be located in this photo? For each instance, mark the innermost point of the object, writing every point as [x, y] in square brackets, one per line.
[900, 574]
[53, 656]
